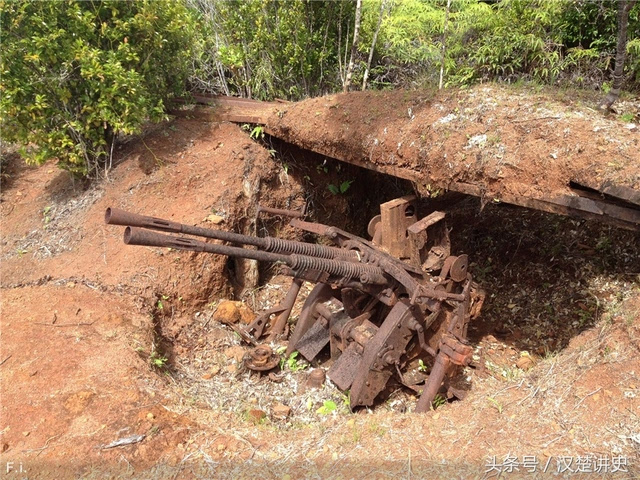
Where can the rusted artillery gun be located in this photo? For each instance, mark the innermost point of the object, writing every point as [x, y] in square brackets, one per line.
[383, 306]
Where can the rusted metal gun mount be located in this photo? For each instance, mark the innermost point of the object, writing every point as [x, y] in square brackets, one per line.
[379, 306]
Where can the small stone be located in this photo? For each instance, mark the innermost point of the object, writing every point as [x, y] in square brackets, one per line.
[632, 127]
[491, 339]
[207, 376]
[5, 447]
[214, 370]
[233, 312]
[227, 312]
[281, 411]
[232, 369]
[256, 415]
[246, 314]
[150, 416]
[236, 353]
[71, 284]
[215, 219]
[221, 447]
[26, 434]
[524, 363]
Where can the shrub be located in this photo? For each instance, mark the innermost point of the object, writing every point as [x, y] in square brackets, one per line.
[75, 74]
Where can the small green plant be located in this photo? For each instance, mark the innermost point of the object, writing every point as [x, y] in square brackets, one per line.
[432, 192]
[45, 214]
[342, 189]
[322, 167]
[421, 366]
[157, 360]
[627, 117]
[327, 407]
[604, 244]
[495, 404]
[257, 133]
[159, 305]
[438, 401]
[21, 252]
[292, 363]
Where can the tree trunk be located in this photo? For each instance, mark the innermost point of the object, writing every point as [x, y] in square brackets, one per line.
[624, 7]
[354, 46]
[444, 44]
[383, 4]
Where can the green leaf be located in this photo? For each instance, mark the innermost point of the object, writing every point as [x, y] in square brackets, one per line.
[333, 189]
[344, 186]
[327, 407]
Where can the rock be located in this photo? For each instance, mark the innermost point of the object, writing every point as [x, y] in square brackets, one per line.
[233, 312]
[246, 314]
[207, 376]
[236, 353]
[232, 369]
[215, 219]
[5, 447]
[491, 339]
[631, 127]
[227, 312]
[256, 416]
[281, 411]
[525, 362]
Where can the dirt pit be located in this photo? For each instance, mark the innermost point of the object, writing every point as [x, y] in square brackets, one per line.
[104, 342]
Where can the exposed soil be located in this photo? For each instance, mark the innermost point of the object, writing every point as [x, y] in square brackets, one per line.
[102, 341]
[505, 141]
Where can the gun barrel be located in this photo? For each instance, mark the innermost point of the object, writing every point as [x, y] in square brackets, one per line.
[115, 216]
[366, 273]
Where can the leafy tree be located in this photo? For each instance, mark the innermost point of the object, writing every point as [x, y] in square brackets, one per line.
[75, 74]
[267, 48]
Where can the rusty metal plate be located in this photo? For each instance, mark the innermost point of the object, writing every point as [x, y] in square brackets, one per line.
[313, 341]
[380, 354]
[344, 370]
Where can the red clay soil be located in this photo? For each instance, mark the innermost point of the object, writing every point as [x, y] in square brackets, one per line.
[491, 141]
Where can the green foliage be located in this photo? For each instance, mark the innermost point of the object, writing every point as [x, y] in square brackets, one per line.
[292, 363]
[327, 407]
[439, 401]
[158, 360]
[76, 74]
[627, 117]
[547, 41]
[421, 366]
[341, 189]
[257, 133]
[267, 48]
